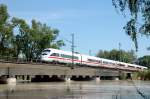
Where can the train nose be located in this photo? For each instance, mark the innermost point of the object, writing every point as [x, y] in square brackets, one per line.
[44, 55]
[44, 58]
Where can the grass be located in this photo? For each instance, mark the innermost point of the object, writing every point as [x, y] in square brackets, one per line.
[142, 75]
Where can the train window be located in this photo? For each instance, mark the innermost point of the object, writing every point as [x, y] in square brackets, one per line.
[105, 62]
[93, 60]
[44, 54]
[54, 54]
[46, 51]
[68, 56]
[138, 68]
[121, 64]
[75, 57]
[130, 66]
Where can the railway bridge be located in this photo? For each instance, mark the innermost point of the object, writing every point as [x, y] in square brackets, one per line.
[37, 71]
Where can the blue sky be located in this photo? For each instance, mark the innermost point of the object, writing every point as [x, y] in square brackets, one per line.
[95, 23]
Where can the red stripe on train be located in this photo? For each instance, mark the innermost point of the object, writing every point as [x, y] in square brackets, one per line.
[55, 57]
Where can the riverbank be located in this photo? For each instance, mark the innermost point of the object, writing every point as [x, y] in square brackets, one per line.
[142, 75]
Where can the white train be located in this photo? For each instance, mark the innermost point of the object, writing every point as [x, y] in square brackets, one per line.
[59, 56]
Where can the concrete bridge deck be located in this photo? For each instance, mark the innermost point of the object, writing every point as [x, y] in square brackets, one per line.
[27, 71]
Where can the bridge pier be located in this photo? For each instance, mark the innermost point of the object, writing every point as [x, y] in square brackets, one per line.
[116, 78]
[23, 78]
[67, 78]
[97, 78]
[5, 79]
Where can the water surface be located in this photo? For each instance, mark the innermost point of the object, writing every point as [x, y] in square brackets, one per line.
[77, 90]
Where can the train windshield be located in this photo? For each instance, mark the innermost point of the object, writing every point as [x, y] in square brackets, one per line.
[45, 52]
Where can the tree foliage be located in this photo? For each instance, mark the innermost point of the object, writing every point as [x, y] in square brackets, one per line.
[138, 9]
[35, 38]
[29, 39]
[144, 61]
[118, 55]
[6, 30]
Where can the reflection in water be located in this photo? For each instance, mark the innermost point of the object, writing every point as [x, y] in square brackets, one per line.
[11, 86]
[76, 90]
[10, 89]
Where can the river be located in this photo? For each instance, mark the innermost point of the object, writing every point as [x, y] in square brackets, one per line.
[77, 90]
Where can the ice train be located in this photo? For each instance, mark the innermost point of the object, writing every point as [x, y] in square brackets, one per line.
[60, 56]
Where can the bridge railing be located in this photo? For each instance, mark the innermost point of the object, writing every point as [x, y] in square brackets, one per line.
[10, 59]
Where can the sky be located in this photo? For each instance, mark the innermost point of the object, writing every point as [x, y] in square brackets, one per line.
[95, 23]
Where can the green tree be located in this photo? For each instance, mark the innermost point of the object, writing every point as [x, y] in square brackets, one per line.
[138, 9]
[6, 31]
[43, 36]
[118, 55]
[31, 40]
[144, 61]
[20, 40]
